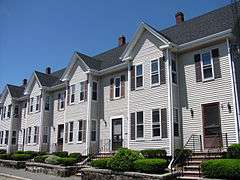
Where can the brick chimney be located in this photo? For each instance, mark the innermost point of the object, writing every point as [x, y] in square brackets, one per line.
[121, 40]
[24, 83]
[179, 16]
[48, 70]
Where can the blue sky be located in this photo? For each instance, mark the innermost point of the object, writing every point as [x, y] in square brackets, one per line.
[36, 34]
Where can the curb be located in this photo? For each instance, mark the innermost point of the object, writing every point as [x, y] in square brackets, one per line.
[12, 176]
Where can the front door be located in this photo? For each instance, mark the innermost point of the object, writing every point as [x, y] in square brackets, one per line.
[60, 137]
[116, 133]
[211, 126]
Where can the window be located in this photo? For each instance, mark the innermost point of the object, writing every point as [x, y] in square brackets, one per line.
[80, 130]
[93, 130]
[24, 109]
[72, 93]
[82, 91]
[70, 139]
[31, 104]
[155, 73]
[6, 136]
[207, 66]
[45, 134]
[37, 103]
[1, 111]
[155, 123]
[4, 111]
[47, 103]
[36, 134]
[16, 111]
[176, 122]
[94, 91]
[139, 76]
[29, 135]
[174, 71]
[139, 124]
[14, 137]
[1, 137]
[9, 111]
[61, 100]
[117, 87]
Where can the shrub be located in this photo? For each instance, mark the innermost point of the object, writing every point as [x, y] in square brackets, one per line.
[19, 152]
[52, 159]
[221, 168]
[5, 156]
[40, 159]
[77, 156]
[150, 165]
[3, 151]
[233, 151]
[21, 157]
[61, 154]
[123, 160]
[154, 153]
[182, 155]
[67, 161]
[100, 163]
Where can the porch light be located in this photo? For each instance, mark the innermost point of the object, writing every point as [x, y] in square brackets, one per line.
[192, 113]
[229, 107]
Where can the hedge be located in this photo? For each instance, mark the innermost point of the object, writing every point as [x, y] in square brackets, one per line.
[40, 159]
[150, 165]
[52, 159]
[233, 151]
[61, 154]
[3, 151]
[221, 168]
[100, 163]
[5, 156]
[67, 161]
[21, 157]
[154, 153]
[77, 156]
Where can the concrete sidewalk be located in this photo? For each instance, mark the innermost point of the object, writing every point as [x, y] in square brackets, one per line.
[29, 176]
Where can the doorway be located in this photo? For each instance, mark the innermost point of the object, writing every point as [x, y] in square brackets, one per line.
[117, 139]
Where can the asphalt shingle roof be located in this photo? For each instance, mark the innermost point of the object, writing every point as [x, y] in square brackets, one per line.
[16, 91]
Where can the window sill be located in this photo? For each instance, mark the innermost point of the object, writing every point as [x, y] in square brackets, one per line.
[208, 80]
[70, 143]
[80, 142]
[138, 140]
[60, 110]
[155, 85]
[139, 89]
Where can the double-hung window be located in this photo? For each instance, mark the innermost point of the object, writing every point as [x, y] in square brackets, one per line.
[47, 103]
[80, 130]
[140, 125]
[4, 111]
[155, 123]
[176, 122]
[37, 103]
[14, 137]
[70, 137]
[93, 130]
[174, 71]
[45, 134]
[9, 111]
[94, 91]
[61, 100]
[6, 136]
[29, 135]
[207, 66]
[24, 109]
[1, 137]
[117, 87]
[1, 112]
[139, 76]
[155, 73]
[36, 134]
[72, 93]
[82, 91]
[16, 111]
[31, 104]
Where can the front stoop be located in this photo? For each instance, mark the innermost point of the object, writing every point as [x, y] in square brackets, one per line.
[192, 170]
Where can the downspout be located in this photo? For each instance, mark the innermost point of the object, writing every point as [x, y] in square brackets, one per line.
[128, 103]
[234, 90]
[9, 147]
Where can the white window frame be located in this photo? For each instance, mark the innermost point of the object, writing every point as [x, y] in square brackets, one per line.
[6, 139]
[175, 72]
[1, 137]
[80, 131]
[82, 90]
[16, 114]
[4, 112]
[9, 111]
[70, 131]
[46, 134]
[96, 91]
[14, 137]
[73, 93]
[47, 103]
[155, 73]
[62, 100]
[118, 87]
[31, 104]
[156, 123]
[94, 129]
[37, 108]
[202, 68]
[36, 134]
[136, 125]
[141, 87]
[29, 132]
[177, 110]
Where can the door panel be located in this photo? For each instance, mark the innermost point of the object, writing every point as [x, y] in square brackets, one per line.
[116, 133]
[60, 137]
[212, 125]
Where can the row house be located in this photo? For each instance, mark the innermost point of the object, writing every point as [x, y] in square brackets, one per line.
[163, 89]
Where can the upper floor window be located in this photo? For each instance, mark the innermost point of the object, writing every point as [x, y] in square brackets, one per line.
[174, 71]
[117, 87]
[70, 139]
[1, 137]
[207, 66]
[61, 100]
[72, 90]
[37, 103]
[155, 123]
[31, 104]
[139, 76]
[47, 103]
[16, 111]
[9, 111]
[82, 90]
[4, 111]
[94, 91]
[155, 73]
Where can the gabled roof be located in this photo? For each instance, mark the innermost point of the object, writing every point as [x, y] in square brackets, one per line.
[16, 91]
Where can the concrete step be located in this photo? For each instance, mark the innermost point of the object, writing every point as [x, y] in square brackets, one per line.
[194, 163]
[213, 153]
[192, 173]
[196, 158]
[189, 178]
[191, 168]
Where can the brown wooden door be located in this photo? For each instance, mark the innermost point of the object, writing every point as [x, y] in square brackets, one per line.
[211, 126]
[60, 137]
[116, 133]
